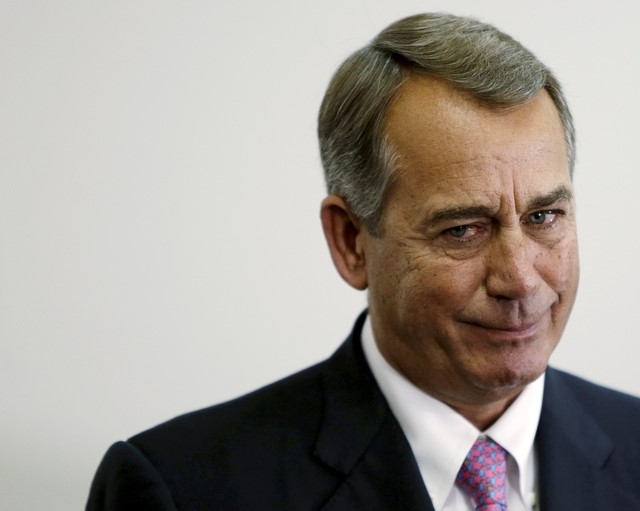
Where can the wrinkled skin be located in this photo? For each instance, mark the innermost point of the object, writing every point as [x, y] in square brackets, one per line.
[473, 279]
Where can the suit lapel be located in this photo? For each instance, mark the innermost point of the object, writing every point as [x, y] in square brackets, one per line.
[361, 439]
[361, 442]
[572, 455]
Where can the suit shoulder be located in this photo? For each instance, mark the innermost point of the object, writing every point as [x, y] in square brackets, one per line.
[598, 399]
[285, 407]
[229, 456]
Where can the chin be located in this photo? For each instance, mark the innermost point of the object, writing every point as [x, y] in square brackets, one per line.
[516, 366]
[509, 377]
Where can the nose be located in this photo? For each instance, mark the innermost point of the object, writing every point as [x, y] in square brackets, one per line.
[510, 266]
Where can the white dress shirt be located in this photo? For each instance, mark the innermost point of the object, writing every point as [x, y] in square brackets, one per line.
[440, 437]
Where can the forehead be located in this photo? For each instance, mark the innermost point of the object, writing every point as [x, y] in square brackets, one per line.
[449, 145]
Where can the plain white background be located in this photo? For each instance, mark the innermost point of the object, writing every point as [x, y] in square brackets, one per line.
[160, 248]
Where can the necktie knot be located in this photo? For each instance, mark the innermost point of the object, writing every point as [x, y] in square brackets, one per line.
[483, 475]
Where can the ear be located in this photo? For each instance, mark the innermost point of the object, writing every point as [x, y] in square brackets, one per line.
[345, 236]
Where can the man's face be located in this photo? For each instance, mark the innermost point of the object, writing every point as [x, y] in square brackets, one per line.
[473, 279]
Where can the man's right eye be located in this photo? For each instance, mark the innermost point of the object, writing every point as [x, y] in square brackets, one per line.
[467, 233]
[459, 231]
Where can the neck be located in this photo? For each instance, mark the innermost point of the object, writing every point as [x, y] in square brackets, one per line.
[483, 415]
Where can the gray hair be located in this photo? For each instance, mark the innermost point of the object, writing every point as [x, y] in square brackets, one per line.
[472, 56]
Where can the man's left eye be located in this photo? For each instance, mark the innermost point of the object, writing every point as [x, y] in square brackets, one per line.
[543, 217]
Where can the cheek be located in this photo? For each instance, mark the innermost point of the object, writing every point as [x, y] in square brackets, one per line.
[560, 267]
[440, 283]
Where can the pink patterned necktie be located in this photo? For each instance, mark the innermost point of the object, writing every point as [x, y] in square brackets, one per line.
[483, 475]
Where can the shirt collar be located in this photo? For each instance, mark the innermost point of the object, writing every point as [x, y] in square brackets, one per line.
[440, 437]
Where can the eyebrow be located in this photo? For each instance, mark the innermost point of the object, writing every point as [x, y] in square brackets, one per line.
[562, 193]
[459, 213]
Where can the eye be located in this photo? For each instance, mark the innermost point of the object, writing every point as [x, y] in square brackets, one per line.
[543, 217]
[459, 231]
[464, 232]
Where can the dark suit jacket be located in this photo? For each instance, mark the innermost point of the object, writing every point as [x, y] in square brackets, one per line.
[325, 439]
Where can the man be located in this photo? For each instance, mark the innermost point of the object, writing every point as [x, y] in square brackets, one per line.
[448, 150]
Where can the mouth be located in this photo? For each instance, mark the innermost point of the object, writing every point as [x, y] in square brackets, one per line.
[506, 332]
